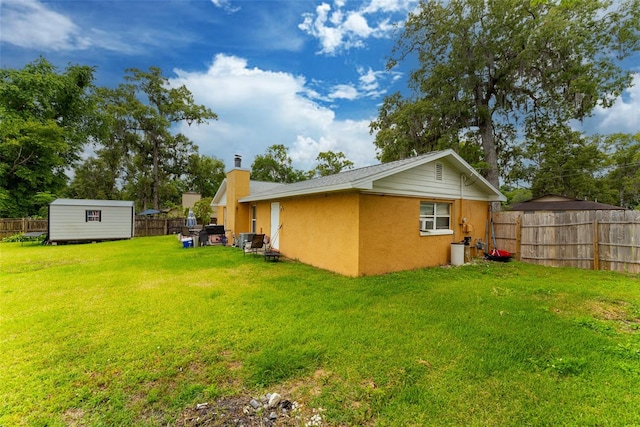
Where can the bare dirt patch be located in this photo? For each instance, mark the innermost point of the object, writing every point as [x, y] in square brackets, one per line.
[73, 417]
[622, 313]
[246, 411]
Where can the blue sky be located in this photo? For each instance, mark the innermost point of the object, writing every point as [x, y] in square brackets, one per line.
[304, 73]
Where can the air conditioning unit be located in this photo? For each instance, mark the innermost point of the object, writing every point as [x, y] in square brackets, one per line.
[426, 224]
[244, 238]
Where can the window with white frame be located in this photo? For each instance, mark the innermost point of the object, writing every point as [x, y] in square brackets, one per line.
[93, 216]
[435, 218]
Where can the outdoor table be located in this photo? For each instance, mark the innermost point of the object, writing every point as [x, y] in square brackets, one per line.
[32, 235]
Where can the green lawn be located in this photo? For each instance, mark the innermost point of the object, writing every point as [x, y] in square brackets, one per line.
[135, 332]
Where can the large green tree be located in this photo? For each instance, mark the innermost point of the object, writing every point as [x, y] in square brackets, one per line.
[140, 114]
[204, 174]
[276, 166]
[330, 163]
[45, 120]
[494, 67]
[623, 176]
[94, 179]
[563, 161]
[104, 174]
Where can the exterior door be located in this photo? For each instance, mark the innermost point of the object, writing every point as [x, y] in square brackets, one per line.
[275, 225]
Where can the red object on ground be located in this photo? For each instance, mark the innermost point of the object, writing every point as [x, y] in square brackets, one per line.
[498, 255]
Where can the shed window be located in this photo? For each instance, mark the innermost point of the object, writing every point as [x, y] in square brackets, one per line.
[435, 218]
[93, 216]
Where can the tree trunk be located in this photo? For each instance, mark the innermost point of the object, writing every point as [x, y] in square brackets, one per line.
[156, 178]
[490, 152]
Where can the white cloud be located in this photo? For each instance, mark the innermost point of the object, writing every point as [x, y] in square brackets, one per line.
[623, 117]
[344, 92]
[259, 108]
[357, 24]
[226, 5]
[376, 6]
[349, 136]
[369, 79]
[373, 84]
[29, 24]
[338, 30]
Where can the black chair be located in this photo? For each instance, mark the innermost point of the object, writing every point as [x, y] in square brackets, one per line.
[257, 243]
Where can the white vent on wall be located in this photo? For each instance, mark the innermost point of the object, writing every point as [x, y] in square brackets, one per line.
[438, 171]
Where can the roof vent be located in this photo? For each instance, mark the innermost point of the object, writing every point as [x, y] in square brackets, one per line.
[438, 171]
[237, 160]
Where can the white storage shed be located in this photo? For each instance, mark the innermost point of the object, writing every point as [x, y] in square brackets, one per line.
[72, 220]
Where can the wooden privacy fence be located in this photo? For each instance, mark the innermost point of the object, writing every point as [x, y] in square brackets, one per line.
[13, 226]
[599, 240]
[144, 226]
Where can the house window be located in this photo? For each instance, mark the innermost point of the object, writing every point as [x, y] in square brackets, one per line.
[93, 216]
[435, 218]
[254, 216]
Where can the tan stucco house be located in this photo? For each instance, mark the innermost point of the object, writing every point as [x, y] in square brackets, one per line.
[378, 219]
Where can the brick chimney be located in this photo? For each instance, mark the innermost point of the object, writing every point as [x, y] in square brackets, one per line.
[237, 215]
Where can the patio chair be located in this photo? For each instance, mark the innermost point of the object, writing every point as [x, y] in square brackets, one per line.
[257, 243]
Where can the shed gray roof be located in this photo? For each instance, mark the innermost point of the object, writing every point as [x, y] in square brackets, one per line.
[363, 178]
[91, 202]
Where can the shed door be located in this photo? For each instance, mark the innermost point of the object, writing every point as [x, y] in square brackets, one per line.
[275, 225]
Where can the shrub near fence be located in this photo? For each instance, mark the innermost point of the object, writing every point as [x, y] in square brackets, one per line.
[599, 240]
[144, 226]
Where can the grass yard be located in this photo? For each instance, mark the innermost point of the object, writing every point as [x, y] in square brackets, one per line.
[139, 332]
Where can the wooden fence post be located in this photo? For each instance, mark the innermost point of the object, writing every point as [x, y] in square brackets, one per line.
[596, 249]
[518, 237]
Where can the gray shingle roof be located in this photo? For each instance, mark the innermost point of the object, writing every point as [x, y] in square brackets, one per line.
[256, 187]
[360, 178]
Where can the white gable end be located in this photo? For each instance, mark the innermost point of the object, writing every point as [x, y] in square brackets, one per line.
[437, 179]
[223, 200]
